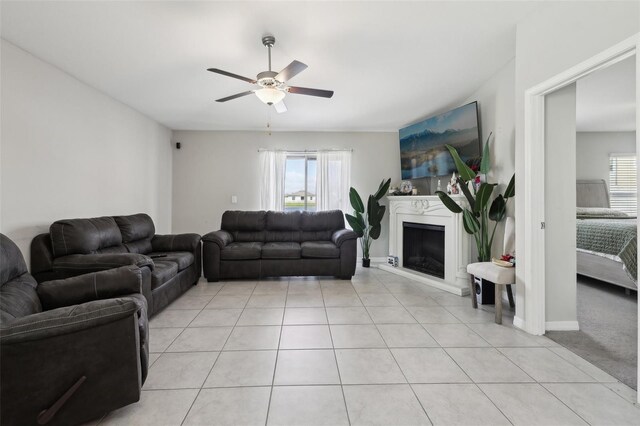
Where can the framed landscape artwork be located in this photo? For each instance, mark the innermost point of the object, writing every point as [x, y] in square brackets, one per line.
[422, 145]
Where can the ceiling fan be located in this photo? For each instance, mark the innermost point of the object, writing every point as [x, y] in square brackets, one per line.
[271, 85]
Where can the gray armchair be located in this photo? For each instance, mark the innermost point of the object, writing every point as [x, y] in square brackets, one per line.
[72, 349]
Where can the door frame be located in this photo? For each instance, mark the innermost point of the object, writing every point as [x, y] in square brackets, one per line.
[534, 172]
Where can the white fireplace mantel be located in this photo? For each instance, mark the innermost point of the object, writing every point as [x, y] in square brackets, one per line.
[428, 209]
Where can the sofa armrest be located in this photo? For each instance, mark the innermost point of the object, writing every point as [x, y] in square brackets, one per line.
[41, 254]
[44, 354]
[342, 235]
[221, 238]
[177, 242]
[67, 320]
[85, 263]
[88, 287]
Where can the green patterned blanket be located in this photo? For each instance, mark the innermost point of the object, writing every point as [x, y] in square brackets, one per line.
[599, 213]
[616, 237]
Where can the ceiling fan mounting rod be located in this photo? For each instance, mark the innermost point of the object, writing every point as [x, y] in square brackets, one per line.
[269, 41]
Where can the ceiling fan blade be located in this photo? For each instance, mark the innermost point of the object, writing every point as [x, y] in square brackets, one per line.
[291, 70]
[310, 92]
[232, 75]
[237, 95]
[280, 107]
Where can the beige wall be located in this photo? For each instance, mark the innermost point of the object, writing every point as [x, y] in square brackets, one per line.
[593, 149]
[212, 166]
[560, 205]
[552, 39]
[496, 99]
[69, 150]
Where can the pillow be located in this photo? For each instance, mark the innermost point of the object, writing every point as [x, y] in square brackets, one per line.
[599, 212]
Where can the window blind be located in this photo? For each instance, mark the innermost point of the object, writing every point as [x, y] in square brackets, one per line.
[623, 183]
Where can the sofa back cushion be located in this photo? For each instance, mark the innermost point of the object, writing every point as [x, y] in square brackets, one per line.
[137, 231]
[18, 296]
[84, 236]
[245, 226]
[320, 226]
[12, 263]
[283, 226]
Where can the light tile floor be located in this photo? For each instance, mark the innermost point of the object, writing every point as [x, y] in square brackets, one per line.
[380, 349]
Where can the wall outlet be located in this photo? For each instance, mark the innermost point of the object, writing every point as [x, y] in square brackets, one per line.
[234, 199]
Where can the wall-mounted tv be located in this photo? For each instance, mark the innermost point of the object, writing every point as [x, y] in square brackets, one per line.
[422, 145]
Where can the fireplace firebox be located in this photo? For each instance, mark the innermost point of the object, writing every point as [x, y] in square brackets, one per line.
[423, 248]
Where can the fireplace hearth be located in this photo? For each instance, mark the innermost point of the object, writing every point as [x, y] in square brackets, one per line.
[423, 248]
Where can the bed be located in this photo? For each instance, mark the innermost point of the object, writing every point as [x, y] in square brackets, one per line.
[606, 239]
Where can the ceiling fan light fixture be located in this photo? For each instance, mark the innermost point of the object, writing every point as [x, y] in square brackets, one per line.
[270, 96]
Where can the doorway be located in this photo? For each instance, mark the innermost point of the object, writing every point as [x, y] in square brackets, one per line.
[535, 239]
[595, 315]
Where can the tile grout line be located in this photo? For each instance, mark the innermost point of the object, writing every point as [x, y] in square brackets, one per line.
[395, 296]
[472, 382]
[275, 366]
[183, 328]
[217, 356]
[335, 357]
[398, 365]
[584, 383]
[576, 366]
[470, 378]
[562, 402]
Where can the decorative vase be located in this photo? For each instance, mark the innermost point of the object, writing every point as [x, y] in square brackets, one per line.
[366, 262]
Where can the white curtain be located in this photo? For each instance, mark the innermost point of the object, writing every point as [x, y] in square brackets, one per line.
[272, 168]
[333, 180]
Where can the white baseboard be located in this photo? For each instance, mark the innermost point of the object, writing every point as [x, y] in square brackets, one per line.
[519, 323]
[377, 260]
[425, 279]
[561, 326]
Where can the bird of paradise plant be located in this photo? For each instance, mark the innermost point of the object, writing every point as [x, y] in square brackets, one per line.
[478, 214]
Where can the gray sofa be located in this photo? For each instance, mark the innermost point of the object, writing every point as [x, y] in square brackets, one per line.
[258, 244]
[170, 264]
[71, 350]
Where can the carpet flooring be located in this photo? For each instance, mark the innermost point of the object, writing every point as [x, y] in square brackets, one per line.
[608, 333]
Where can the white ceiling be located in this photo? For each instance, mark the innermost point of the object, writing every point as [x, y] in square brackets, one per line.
[606, 99]
[389, 63]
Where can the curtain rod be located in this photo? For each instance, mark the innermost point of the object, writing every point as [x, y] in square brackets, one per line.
[304, 150]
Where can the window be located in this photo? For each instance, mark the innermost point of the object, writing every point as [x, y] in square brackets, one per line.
[300, 182]
[304, 181]
[623, 183]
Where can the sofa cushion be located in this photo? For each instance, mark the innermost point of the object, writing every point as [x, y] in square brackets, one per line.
[241, 251]
[245, 226]
[137, 231]
[135, 227]
[84, 236]
[18, 296]
[283, 221]
[233, 221]
[183, 259]
[330, 220]
[140, 246]
[12, 263]
[285, 250]
[320, 226]
[319, 250]
[162, 272]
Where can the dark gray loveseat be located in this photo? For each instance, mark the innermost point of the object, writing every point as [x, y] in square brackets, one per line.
[257, 244]
[170, 264]
[71, 350]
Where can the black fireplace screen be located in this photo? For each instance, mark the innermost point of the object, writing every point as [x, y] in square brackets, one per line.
[423, 248]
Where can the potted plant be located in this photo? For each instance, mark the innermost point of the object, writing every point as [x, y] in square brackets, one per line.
[478, 214]
[367, 224]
